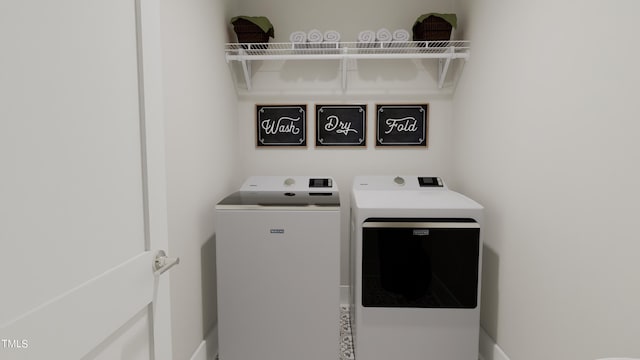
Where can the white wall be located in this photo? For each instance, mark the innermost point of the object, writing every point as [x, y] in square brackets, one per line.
[318, 82]
[344, 163]
[201, 125]
[347, 17]
[365, 78]
[545, 142]
[545, 137]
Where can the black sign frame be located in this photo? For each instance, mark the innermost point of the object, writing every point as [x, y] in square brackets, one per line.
[289, 130]
[341, 125]
[402, 125]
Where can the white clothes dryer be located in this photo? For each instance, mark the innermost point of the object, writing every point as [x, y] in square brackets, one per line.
[278, 264]
[416, 257]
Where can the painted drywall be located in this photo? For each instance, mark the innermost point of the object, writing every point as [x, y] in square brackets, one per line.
[324, 78]
[545, 142]
[545, 137]
[200, 112]
[319, 82]
[347, 17]
[345, 163]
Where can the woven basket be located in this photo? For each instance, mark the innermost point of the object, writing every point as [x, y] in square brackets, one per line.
[248, 32]
[433, 28]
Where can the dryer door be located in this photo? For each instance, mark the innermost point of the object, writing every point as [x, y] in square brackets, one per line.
[420, 263]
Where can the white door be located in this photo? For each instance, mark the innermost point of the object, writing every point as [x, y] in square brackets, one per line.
[82, 189]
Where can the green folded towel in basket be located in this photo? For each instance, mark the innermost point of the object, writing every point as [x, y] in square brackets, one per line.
[261, 21]
[450, 18]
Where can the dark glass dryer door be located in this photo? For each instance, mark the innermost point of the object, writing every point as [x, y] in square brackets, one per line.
[420, 263]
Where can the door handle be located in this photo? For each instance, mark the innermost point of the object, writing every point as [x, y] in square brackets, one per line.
[162, 263]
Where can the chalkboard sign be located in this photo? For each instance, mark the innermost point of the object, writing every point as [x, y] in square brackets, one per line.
[341, 125]
[401, 125]
[281, 125]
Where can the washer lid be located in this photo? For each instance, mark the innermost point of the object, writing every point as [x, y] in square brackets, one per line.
[278, 200]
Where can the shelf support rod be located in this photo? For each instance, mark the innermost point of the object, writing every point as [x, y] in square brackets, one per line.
[443, 67]
[246, 69]
[343, 63]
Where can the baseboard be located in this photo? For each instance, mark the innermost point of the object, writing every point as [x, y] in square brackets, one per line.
[489, 350]
[208, 348]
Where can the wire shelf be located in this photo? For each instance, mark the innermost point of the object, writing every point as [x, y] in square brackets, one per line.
[444, 51]
[328, 50]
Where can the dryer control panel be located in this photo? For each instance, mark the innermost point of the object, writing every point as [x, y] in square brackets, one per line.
[429, 181]
[399, 183]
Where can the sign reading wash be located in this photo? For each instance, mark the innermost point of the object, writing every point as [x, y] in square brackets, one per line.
[281, 125]
[341, 125]
[402, 125]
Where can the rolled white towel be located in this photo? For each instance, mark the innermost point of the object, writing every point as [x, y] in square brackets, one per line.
[383, 35]
[331, 36]
[366, 36]
[401, 35]
[298, 37]
[314, 36]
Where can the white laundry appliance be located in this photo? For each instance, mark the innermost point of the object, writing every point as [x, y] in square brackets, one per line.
[278, 264]
[416, 257]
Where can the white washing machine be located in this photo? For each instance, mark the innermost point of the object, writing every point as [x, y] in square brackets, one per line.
[278, 264]
[416, 260]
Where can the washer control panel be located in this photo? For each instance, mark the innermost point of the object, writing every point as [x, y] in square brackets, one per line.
[290, 183]
[324, 183]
